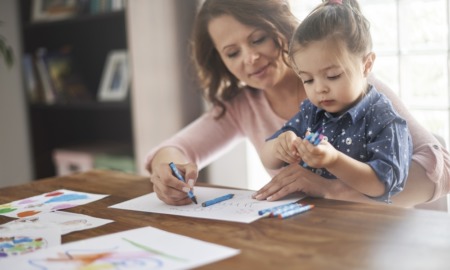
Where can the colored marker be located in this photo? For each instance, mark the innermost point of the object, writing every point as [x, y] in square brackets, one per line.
[314, 138]
[217, 200]
[285, 209]
[178, 175]
[295, 211]
[272, 209]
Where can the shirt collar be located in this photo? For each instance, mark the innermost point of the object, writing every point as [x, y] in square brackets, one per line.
[356, 112]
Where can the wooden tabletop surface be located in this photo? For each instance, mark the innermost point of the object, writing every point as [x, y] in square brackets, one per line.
[334, 235]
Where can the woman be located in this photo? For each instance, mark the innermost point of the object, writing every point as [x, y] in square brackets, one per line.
[239, 48]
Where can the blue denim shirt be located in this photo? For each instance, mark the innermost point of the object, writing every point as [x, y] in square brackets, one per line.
[371, 132]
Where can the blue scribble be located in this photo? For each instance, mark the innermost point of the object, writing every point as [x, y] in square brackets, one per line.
[68, 197]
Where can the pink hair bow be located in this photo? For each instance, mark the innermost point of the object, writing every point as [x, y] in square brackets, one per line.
[337, 2]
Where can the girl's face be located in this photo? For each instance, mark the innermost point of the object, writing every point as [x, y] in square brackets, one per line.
[249, 53]
[332, 82]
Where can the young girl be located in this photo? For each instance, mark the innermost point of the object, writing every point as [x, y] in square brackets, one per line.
[362, 140]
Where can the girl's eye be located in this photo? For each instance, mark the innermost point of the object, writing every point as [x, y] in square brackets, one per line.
[307, 81]
[335, 77]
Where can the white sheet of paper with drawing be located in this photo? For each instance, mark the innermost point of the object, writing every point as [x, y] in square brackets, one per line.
[68, 222]
[143, 248]
[241, 208]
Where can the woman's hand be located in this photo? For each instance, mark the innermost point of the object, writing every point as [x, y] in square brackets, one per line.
[168, 188]
[295, 178]
[292, 178]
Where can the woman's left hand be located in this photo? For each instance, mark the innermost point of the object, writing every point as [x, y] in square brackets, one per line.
[292, 178]
[295, 178]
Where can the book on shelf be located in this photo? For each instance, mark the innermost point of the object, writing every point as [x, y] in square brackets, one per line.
[47, 88]
[55, 78]
[42, 10]
[32, 80]
[101, 6]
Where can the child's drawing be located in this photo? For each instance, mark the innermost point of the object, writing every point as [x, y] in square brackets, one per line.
[47, 202]
[144, 248]
[240, 208]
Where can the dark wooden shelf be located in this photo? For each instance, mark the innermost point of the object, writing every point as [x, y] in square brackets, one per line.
[75, 20]
[81, 106]
[91, 37]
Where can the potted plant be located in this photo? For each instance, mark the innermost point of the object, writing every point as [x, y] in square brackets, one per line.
[6, 52]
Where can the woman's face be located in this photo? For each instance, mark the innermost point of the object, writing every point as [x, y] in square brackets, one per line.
[249, 53]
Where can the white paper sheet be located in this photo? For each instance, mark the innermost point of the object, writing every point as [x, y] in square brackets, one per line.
[68, 222]
[21, 239]
[47, 202]
[144, 248]
[241, 208]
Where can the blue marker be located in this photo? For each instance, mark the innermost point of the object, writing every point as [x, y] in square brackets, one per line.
[272, 209]
[284, 209]
[296, 211]
[180, 177]
[217, 200]
[314, 138]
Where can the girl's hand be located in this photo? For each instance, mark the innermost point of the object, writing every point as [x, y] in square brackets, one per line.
[317, 156]
[168, 188]
[285, 147]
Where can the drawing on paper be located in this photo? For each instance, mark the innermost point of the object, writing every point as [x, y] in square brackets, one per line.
[66, 221]
[18, 245]
[241, 208]
[47, 202]
[143, 257]
[241, 204]
[137, 249]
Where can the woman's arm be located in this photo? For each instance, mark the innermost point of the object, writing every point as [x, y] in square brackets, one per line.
[190, 149]
[429, 174]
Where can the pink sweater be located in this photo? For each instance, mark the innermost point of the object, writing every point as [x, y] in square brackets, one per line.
[250, 116]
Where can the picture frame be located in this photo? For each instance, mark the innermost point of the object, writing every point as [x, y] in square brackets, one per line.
[48, 10]
[115, 78]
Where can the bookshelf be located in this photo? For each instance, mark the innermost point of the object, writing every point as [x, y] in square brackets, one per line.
[76, 121]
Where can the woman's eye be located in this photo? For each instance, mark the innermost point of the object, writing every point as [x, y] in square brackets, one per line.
[232, 54]
[260, 40]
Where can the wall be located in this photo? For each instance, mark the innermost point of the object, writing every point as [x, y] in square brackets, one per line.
[165, 97]
[15, 165]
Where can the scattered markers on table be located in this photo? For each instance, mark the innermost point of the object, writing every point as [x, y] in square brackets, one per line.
[285, 210]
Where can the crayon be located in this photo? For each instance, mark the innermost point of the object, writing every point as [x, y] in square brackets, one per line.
[270, 210]
[217, 200]
[295, 211]
[178, 175]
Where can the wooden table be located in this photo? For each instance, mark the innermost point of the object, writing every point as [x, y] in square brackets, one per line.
[334, 235]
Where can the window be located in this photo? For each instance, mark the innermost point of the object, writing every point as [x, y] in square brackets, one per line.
[412, 46]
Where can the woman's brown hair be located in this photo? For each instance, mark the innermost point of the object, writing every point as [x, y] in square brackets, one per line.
[217, 82]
